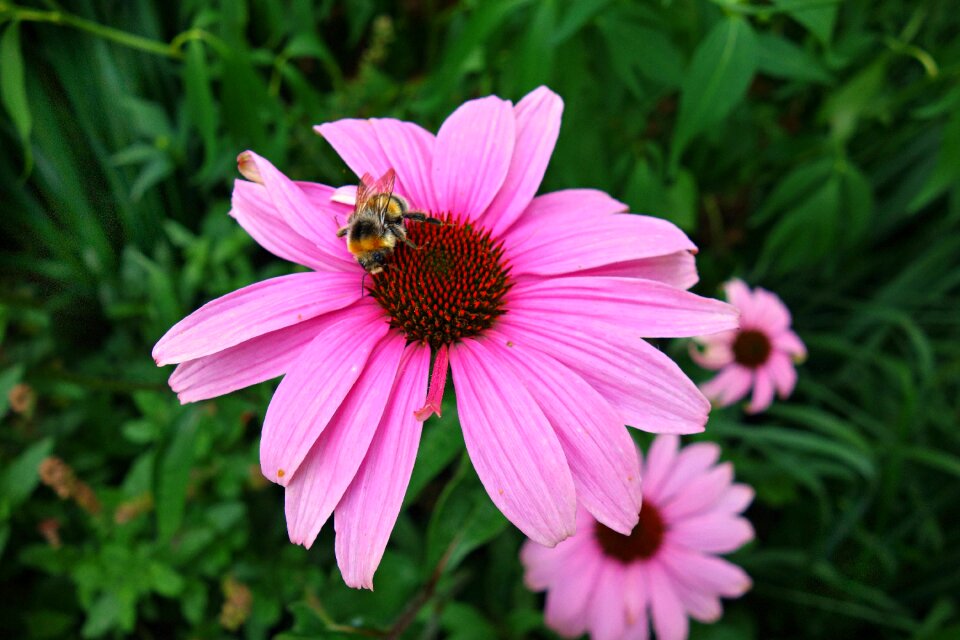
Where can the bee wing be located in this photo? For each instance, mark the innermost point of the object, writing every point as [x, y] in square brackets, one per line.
[383, 188]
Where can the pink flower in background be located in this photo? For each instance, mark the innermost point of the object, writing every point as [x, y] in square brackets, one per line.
[761, 354]
[615, 586]
[538, 304]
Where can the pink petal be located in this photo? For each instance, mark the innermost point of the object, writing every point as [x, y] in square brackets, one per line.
[357, 144]
[472, 156]
[543, 566]
[513, 448]
[762, 391]
[636, 599]
[329, 214]
[607, 609]
[677, 269]
[409, 149]
[332, 463]
[242, 365]
[255, 310]
[782, 372]
[669, 618]
[699, 494]
[729, 386]
[660, 461]
[553, 241]
[647, 389]
[438, 382]
[253, 209]
[716, 351]
[368, 511]
[735, 500]
[601, 453]
[712, 533]
[739, 295]
[537, 127]
[692, 462]
[311, 219]
[769, 311]
[566, 610]
[790, 342]
[709, 573]
[702, 607]
[641, 308]
[315, 386]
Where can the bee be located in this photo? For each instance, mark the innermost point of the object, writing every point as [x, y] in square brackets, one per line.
[377, 222]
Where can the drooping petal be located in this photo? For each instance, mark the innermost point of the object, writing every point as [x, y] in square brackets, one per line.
[669, 619]
[438, 382]
[302, 213]
[315, 386]
[242, 365]
[255, 310]
[711, 533]
[648, 389]
[537, 127]
[567, 601]
[254, 210]
[551, 242]
[644, 308]
[332, 463]
[762, 391]
[607, 609]
[782, 372]
[368, 511]
[409, 149]
[601, 454]
[678, 269]
[708, 572]
[472, 156]
[513, 448]
[729, 386]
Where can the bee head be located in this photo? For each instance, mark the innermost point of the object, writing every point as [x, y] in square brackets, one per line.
[373, 262]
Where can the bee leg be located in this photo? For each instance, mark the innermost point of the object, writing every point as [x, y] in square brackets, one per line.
[342, 231]
[409, 243]
[420, 217]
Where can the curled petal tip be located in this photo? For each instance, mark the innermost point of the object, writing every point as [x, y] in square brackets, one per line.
[247, 166]
[426, 411]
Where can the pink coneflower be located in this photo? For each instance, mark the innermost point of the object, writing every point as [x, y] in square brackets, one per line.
[538, 305]
[760, 354]
[614, 586]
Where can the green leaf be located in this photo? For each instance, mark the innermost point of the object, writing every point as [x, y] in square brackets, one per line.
[463, 622]
[858, 98]
[13, 87]
[442, 441]
[817, 17]
[946, 174]
[637, 51]
[8, 379]
[715, 82]
[199, 98]
[780, 58]
[174, 476]
[22, 476]
[647, 193]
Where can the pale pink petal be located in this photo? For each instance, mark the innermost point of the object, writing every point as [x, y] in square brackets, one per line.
[769, 311]
[368, 511]
[315, 386]
[646, 387]
[669, 618]
[711, 533]
[347, 194]
[537, 126]
[472, 155]
[357, 144]
[659, 465]
[543, 566]
[438, 382]
[714, 352]
[566, 610]
[739, 295]
[698, 495]
[601, 454]
[568, 243]
[735, 500]
[242, 365]
[729, 386]
[639, 630]
[762, 391]
[790, 342]
[311, 218]
[677, 269]
[332, 208]
[409, 149]
[607, 609]
[643, 308]
[332, 463]
[513, 448]
[566, 206]
[702, 607]
[254, 210]
[783, 372]
[255, 310]
[706, 572]
[691, 462]
[636, 599]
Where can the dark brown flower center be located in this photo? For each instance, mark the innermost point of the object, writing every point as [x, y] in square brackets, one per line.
[751, 348]
[450, 287]
[642, 542]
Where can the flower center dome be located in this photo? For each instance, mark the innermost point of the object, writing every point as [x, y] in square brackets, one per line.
[643, 541]
[751, 348]
[450, 287]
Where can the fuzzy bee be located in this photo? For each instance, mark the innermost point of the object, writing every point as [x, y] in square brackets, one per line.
[377, 222]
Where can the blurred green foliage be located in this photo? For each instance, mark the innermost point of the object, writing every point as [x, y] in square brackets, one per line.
[810, 146]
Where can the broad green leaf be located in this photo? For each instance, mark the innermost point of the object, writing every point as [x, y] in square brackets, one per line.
[8, 378]
[860, 97]
[946, 174]
[577, 15]
[647, 193]
[22, 477]
[13, 87]
[817, 17]
[715, 81]
[781, 58]
[174, 476]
